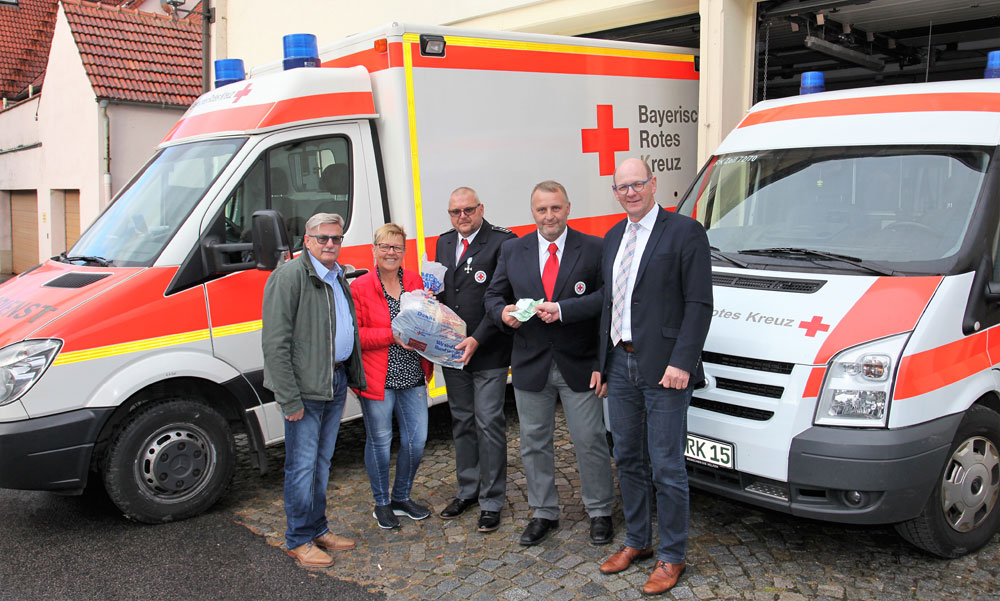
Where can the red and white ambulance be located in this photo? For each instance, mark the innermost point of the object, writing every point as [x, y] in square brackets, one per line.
[136, 355]
[852, 359]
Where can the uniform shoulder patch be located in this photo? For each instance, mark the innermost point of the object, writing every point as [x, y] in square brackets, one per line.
[500, 228]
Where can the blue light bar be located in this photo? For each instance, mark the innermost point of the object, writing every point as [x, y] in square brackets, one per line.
[229, 70]
[993, 65]
[812, 82]
[300, 50]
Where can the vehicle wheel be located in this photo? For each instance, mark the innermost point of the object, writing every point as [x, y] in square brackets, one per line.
[962, 513]
[171, 460]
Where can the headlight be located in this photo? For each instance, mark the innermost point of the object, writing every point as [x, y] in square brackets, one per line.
[21, 365]
[857, 385]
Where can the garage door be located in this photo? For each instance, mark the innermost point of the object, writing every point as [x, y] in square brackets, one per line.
[72, 208]
[24, 230]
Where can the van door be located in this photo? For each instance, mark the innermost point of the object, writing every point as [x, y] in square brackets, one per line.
[299, 174]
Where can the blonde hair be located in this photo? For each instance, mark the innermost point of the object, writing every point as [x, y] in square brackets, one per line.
[389, 229]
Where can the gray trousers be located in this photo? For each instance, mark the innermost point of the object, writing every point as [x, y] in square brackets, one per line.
[585, 418]
[479, 428]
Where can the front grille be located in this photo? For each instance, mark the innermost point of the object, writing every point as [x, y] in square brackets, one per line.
[758, 415]
[774, 284]
[76, 280]
[776, 367]
[754, 388]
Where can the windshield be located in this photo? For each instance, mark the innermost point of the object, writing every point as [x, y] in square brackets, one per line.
[139, 223]
[889, 206]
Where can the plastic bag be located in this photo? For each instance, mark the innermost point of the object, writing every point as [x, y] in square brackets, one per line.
[432, 273]
[430, 328]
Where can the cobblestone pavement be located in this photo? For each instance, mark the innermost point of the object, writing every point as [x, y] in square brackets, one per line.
[735, 552]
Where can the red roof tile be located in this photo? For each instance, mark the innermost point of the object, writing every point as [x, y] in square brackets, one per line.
[25, 37]
[137, 56]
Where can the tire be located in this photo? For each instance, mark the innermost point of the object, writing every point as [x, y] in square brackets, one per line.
[190, 443]
[963, 511]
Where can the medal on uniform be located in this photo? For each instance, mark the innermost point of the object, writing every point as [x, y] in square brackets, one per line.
[468, 265]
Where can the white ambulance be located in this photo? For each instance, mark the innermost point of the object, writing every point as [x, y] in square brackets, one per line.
[135, 356]
[852, 358]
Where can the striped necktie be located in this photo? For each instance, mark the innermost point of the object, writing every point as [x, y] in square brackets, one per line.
[621, 282]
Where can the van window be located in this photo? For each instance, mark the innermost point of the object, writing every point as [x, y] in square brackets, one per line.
[309, 177]
[141, 221]
[888, 205]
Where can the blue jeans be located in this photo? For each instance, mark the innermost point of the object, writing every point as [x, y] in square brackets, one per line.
[410, 408]
[649, 427]
[309, 444]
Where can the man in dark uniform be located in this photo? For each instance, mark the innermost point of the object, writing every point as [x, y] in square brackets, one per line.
[475, 393]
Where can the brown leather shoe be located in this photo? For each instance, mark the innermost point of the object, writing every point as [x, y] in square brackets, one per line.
[664, 577]
[310, 556]
[623, 558]
[332, 542]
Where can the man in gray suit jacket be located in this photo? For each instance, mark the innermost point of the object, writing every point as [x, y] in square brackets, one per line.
[657, 307]
[554, 355]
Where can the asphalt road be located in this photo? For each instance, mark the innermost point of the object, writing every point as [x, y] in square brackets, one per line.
[67, 548]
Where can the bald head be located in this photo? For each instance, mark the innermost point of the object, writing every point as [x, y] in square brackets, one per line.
[639, 188]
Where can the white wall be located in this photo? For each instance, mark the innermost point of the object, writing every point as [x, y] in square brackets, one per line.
[18, 127]
[69, 129]
[135, 132]
[252, 29]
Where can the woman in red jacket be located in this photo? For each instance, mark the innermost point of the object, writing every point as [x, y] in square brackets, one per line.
[396, 377]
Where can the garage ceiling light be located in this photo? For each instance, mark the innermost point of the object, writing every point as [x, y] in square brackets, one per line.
[844, 54]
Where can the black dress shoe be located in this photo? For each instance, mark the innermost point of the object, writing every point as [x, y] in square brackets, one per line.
[601, 530]
[489, 521]
[537, 530]
[457, 507]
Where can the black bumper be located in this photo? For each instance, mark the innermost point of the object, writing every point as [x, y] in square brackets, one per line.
[893, 470]
[49, 453]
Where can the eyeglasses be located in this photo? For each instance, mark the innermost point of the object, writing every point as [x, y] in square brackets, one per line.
[637, 186]
[468, 211]
[322, 240]
[387, 248]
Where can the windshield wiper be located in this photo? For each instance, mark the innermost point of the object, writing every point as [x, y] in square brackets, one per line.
[718, 254]
[86, 259]
[809, 252]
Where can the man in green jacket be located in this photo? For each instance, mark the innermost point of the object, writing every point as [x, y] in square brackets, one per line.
[311, 356]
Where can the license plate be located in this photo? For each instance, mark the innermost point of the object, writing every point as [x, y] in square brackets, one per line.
[711, 452]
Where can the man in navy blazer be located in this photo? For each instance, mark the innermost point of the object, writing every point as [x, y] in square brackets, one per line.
[554, 355]
[476, 393]
[657, 306]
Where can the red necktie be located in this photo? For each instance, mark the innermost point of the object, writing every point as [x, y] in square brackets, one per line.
[550, 272]
[465, 247]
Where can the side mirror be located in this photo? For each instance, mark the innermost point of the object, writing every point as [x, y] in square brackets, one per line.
[270, 239]
[992, 292]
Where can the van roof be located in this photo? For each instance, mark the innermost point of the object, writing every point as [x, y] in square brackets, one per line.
[280, 99]
[954, 113]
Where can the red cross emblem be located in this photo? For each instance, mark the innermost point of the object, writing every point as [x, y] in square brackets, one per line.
[242, 93]
[605, 140]
[814, 325]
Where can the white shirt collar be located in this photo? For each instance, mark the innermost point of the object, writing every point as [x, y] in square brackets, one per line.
[543, 244]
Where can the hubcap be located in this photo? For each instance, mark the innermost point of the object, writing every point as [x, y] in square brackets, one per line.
[175, 462]
[971, 484]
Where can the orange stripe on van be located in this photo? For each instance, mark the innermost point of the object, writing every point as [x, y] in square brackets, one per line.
[258, 116]
[371, 59]
[813, 383]
[535, 61]
[936, 368]
[891, 305]
[901, 103]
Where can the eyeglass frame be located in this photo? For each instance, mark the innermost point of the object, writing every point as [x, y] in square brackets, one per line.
[467, 211]
[637, 186]
[322, 239]
[389, 247]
